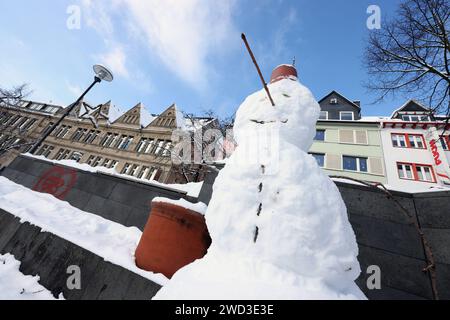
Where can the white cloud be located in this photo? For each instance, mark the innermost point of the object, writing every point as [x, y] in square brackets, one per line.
[75, 90]
[183, 34]
[115, 60]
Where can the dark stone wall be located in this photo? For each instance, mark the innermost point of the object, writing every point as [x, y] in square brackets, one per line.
[114, 198]
[49, 256]
[387, 238]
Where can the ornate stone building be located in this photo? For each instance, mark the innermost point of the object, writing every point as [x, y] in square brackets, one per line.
[135, 143]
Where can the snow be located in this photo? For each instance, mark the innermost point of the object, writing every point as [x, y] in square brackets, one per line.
[16, 286]
[278, 224]
[111, 241]
[373, 118]
[146, 117]
[191, 189]
[179, 118]
[199, 207]
[114, 113]
[413, 189]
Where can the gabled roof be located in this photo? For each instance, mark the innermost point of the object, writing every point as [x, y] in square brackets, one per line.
[168, 119]
[411, 106]
[341, 96]
[131, 117]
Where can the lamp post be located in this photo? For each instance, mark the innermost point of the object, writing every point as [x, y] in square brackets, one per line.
[101, 73]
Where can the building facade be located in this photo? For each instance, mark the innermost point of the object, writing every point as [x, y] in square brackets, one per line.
[410, 150]
[347, 145]
[135, 143]
[416, 146]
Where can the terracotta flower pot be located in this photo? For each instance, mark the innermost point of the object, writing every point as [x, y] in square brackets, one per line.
[283, 71]
[173, 238]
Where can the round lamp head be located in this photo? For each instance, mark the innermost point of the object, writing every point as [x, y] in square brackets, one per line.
[103, 73]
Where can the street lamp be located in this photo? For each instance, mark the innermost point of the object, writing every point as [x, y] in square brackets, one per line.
[101, 73]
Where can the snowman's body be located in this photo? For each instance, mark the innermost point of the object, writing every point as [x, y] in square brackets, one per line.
[278, 224]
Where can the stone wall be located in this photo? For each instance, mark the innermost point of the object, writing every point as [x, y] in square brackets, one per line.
[387, 238]
[49, 256]
[114, 198]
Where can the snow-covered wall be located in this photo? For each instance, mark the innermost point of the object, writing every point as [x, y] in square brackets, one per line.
[49, 256]
[115, 198]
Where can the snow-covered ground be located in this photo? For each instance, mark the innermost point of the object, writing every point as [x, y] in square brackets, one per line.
[109, 240]
[16, 286]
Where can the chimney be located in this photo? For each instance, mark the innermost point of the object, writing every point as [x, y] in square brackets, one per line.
[284, 71]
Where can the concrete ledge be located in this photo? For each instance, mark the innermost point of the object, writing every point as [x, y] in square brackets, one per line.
[49, 256]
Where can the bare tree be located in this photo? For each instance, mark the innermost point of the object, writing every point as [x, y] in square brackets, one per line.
[410, 54]
[201, 143]
[11, 98]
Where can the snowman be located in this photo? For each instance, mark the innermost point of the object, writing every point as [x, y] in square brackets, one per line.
[278, 224]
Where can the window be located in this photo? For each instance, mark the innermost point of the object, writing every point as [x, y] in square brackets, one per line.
[320, 135]
[150, 146]
[91, 136]
[79, 134]
[29, 124]
[133, 170]
[416, 141]
[167, 149]
[126, 168]
[109, 139]
[445, 142]
[152, 173]
[417, 172]
[415, 118]
[108, 163]
[346, 115]
[113, 164]
[141, 145]
[320, 158]
[323, 115]
[62, 131]
[160, 147]
[124, 142]
[90, 160]
[14, 121]
[5, 118]
[45, 150]
[143, 172]
[354, 163]
[405, 140]
[333, 101]
[97, 161]
[62, 154]
[76, 156]
[21, 122]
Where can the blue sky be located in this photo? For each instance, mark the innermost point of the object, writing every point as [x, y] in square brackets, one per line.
[185, 51]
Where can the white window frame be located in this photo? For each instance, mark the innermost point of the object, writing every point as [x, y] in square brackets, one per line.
[342, 112]
[358, 163]
[323, 112]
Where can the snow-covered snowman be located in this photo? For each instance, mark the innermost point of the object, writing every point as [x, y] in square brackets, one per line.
[278, 224]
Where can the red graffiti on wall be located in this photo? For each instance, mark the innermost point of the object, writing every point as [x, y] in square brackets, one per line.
[57, 181]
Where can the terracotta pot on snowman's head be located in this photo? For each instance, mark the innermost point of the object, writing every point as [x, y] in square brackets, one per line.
[284, 71]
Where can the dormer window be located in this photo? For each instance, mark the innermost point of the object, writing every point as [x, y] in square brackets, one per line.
[415, 118]
[347, 116]
[333, 101]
